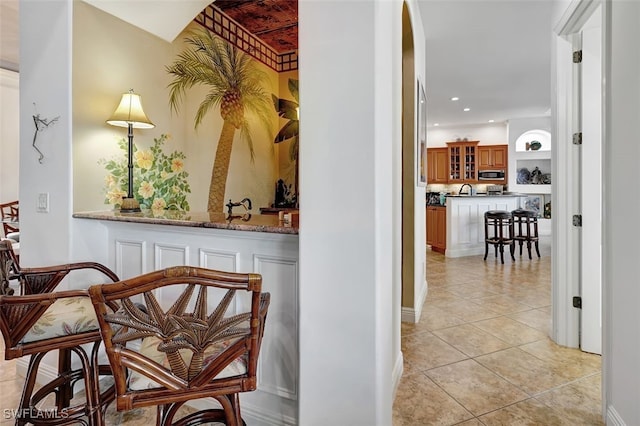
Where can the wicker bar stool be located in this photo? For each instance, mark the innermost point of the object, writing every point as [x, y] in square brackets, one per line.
[42, 320]
[499, 232]
[526, 224]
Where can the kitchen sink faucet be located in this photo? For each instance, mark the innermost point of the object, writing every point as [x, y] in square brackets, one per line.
[462, 187]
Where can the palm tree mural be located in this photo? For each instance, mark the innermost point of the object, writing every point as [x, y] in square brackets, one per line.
[235, 84]
[290, 110]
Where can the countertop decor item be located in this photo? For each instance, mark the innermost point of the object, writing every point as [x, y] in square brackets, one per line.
[524, 176]
[129, 114]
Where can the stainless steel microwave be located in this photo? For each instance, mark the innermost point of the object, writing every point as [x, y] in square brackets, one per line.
[496, 175]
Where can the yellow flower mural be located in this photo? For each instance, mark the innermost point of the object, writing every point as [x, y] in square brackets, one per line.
[159, 179]
[158, 204]
[144, 159]
[146, 189]
[177, 165]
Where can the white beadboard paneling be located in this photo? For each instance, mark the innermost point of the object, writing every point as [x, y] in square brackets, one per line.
[281, 330]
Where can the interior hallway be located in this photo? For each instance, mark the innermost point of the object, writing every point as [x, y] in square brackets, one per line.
[481, 354]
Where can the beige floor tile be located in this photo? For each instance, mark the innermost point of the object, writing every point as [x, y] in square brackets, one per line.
[475, 387]
[471, 291]
[467, 310]
[471, 340]
[8, 370]
[573, 362]
[502, 304]
[509, 330]
[534, 318]
[524, 370]
[431, 352]
[420, 402]
[578, 401]
[434, 318]
[526, 413]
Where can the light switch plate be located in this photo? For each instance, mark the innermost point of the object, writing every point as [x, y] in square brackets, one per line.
[43, 202]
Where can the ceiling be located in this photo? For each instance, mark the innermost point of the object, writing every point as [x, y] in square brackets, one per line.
[9, 57]
[275, 22]
[493, 54]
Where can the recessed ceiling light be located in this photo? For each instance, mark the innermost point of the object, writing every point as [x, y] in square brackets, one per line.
[467, 109]
[455, 98]
[436, 124]
[491, 121]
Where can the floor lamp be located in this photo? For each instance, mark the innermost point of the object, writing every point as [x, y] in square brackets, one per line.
[129, 114]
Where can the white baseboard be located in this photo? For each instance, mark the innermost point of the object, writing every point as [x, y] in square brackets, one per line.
[613, 418]
[258, 417]
[46, 372]
[413, 314]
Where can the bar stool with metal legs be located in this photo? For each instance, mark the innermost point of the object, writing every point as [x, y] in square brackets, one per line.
[526, 224]
[499, 232]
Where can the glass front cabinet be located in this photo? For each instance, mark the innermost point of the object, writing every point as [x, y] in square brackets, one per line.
[463, 161]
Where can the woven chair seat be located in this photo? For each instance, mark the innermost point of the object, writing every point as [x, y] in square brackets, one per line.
[149, 348]
[64, 317]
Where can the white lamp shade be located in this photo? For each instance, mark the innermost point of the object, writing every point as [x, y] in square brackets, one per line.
[130, 111]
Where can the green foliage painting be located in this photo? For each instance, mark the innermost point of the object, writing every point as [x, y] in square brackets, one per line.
[290, 111]
[159, 180]
[234, 83]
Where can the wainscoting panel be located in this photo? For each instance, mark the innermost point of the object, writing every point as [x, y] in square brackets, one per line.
[281, 331]
[130, 258]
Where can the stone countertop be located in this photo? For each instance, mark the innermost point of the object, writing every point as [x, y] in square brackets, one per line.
[250, 222]
[483, 195]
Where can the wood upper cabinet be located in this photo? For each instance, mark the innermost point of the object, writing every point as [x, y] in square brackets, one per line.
[491, 157]
[463, 161]
[437, 165]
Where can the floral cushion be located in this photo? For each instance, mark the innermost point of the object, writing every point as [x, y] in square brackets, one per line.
[63, 317]
[149, 349]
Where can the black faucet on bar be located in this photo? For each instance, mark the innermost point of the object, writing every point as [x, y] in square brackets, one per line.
[246, 203]
[462, 187]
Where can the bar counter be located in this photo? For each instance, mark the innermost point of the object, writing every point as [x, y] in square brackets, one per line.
[248, 222]
[137, 243]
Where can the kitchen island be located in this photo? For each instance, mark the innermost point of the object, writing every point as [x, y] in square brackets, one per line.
[138, 243]
[465, 220]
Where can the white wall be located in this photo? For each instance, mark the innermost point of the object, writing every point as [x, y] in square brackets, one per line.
[487, 134]
[346, 227]
[45, 77]
[621, 206]
[9, 134]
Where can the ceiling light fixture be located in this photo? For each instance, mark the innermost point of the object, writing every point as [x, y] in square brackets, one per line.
[467, 109]
[436, 124]
[455, 98]
[491, 121]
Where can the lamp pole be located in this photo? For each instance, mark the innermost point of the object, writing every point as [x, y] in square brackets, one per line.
[130, 204]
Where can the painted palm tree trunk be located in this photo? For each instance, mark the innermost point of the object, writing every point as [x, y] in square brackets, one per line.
[235, 84]
[220, 170]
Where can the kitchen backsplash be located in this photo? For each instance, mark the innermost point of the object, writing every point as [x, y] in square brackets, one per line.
[454, 188]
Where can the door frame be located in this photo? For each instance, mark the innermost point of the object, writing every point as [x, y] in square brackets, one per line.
[565, 265]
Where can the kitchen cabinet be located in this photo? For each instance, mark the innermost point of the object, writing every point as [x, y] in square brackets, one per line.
[492, 157]
[437, 228]
[437, 165]
[463, 167]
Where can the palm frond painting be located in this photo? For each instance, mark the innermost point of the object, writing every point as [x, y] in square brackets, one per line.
[235, 85]
[290, 110]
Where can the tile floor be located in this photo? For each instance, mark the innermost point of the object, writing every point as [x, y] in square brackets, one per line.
[481, 355]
